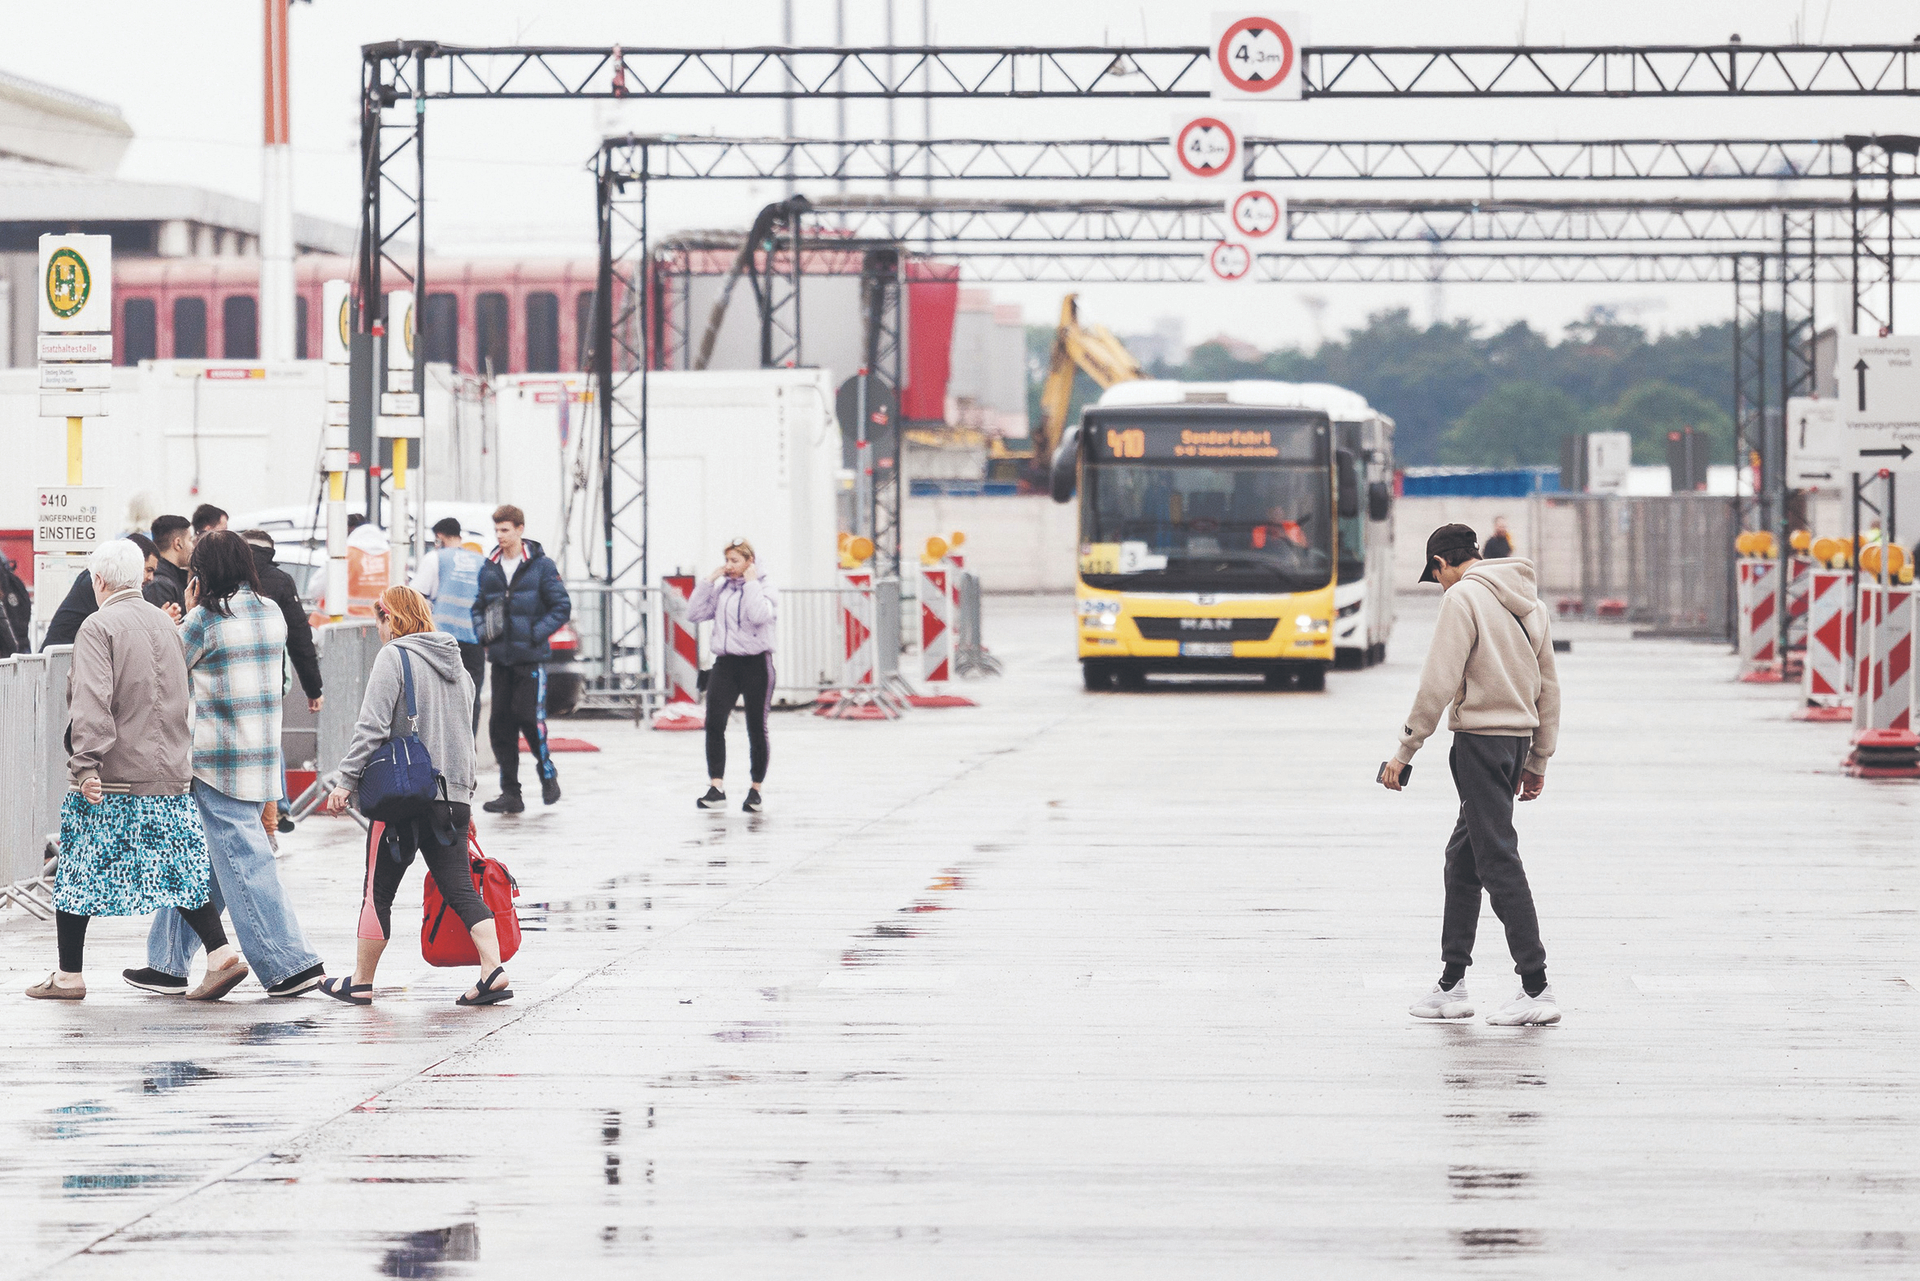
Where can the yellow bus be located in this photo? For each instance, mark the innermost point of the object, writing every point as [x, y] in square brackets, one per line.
[1208, 541]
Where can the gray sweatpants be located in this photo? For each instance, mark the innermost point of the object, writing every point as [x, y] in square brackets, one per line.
[1484, 850]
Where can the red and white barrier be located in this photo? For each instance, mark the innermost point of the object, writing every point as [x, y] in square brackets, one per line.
[860, 697]
[1883, 666]
[1884, 743]
[1827, 677]
[1759, 628]
[938, 604]
[684, 709]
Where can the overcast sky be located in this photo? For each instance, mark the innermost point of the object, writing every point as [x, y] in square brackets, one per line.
[510, 178]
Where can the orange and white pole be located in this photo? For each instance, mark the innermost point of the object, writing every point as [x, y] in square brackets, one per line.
[276, 195]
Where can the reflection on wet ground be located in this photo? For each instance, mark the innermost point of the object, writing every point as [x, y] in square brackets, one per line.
[1067, 985]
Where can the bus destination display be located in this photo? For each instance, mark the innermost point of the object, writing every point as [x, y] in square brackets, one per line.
[1291, 442]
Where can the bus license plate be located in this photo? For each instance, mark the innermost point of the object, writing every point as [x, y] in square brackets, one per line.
[1206, 649]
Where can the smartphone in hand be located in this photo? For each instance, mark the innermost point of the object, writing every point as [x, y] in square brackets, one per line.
[1406, 772]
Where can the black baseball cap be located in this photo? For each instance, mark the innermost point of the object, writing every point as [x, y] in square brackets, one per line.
[1449, 538]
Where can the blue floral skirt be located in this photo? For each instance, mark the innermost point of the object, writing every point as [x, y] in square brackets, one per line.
[130, 855]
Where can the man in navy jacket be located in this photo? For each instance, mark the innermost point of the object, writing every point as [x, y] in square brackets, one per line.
[520, 589]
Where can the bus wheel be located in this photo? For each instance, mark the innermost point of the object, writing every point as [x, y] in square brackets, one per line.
[1097, 676]
[1349, 660]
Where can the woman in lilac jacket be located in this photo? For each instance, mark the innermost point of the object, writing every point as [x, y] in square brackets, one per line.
[742, 606]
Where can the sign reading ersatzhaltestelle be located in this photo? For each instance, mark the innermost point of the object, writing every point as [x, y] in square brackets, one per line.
[75, 285]
[1879, 402]
[1258, 56]
[68, 518]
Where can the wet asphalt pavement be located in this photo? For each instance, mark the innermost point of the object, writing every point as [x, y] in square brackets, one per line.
[1067, 986]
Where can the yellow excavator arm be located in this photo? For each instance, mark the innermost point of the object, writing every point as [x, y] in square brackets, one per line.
[1088, 348]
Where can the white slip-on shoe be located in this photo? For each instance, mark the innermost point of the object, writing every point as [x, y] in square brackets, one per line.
[1444, 1003]
[1527, 1011]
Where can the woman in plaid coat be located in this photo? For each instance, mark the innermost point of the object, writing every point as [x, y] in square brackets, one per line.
[235, 641]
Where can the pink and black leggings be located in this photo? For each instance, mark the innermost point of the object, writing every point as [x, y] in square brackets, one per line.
[390, 850]
[733, 677]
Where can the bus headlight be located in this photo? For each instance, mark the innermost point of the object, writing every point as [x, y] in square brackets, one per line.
[1308, 625]
[1099, 613]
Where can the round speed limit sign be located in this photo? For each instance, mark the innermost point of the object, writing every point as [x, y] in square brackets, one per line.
[1254, 213]
[1206, 147]
[1229, 261]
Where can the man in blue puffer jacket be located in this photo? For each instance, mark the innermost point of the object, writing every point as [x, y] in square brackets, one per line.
[520, 586]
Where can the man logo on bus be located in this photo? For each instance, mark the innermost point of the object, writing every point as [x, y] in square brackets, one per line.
[1206, 624]
[69, 283]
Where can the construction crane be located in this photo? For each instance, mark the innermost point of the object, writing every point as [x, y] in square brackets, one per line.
[1091, 348]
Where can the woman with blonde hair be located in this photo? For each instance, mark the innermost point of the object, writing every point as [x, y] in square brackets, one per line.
[743, 606]
[414, 654]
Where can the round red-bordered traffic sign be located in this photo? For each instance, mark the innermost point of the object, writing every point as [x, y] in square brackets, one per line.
[1215, 139]
[1254, 213]
[1229, 260]
[1251, 29]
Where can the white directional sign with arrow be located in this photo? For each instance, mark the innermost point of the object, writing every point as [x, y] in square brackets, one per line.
[1813, 445]
[1879, 403]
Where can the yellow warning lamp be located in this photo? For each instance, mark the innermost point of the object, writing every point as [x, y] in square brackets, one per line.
[1906, 575]
[1841, 559]
[957, 539]
[935, 552]
[1800, 540]
[860, 550]
[1743, 543]
[840, 544]
[1870, 559]
[1896, 558]
[1824, 550]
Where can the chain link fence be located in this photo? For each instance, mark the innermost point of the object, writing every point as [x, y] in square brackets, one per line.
[1663, 563]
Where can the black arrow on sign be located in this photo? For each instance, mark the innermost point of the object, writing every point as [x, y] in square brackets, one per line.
[1860, 372]
[1902, 452]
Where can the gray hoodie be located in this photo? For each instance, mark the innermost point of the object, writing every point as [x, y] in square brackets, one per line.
[1492, 661]
[443, 693]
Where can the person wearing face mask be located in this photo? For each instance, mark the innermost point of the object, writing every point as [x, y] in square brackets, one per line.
[742, 606]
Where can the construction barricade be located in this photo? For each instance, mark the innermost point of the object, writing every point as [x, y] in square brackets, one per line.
[1827, 674]
[1799, 587]
[1759, 629]
[682, 708]
[1884, 742]
[864, 693]
[936, 600]
[970, 656]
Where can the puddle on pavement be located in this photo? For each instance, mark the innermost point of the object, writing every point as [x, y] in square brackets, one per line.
[118, 1182]
[420, 1254]
[161, 1077]
[71, 1122]
[275, 1032]
[1475, 1183]
[1481, 1242]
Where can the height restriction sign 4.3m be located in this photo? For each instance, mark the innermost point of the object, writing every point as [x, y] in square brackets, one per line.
[1206, 148]
[1257, 56]
[1255, 213]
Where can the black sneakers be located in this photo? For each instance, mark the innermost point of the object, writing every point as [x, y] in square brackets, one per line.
[715, 799]
[155, 981]
[305, 981]
[286, 824]
[505, 803]
[752, 804]
[550, 790]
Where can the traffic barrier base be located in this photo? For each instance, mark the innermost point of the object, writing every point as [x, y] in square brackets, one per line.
[1884, 753]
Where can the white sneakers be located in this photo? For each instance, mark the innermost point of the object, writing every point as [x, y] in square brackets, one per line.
[1527, 1011]
[1444, 1003]
[1522, 1011]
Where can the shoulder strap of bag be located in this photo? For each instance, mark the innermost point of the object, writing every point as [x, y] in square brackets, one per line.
[406, 679]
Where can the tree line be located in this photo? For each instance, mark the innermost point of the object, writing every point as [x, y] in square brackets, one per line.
[1461, 395]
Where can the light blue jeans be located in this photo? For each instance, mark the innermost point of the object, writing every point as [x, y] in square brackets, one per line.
[246, 884]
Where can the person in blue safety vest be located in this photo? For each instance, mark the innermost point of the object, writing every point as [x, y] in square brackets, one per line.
[450, 579]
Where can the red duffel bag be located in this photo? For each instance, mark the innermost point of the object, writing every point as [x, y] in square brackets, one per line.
[444, 941]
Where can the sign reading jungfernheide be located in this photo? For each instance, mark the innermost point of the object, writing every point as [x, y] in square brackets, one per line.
[68, 518]
[75, 284]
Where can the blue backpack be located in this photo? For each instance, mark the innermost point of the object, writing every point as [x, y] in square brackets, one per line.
[400, 781]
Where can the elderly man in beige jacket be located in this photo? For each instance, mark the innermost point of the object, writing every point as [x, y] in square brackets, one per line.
[1491, 670]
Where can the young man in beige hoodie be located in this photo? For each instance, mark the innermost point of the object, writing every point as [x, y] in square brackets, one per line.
[1491, 670]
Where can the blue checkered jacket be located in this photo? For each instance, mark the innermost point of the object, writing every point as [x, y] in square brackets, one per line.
[238, 688]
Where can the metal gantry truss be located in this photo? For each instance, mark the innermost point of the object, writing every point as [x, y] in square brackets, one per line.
[436, 70]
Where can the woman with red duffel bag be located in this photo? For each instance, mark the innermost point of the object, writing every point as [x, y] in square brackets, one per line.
[417, 713]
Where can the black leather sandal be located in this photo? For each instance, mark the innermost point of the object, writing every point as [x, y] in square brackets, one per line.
[345, 989]
[488, 996]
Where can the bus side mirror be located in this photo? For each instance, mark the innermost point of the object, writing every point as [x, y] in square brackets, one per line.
[1064, 476]
[1379, 500]
[1349, 485]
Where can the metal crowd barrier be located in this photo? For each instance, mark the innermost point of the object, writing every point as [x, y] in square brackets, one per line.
[33, 722]
[346, 651]
[620, 634]
[970, 656]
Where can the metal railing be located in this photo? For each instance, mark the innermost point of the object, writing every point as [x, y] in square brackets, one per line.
[33, 721]
[620, 632]
[970, 656]
[346, 651]
[1664, 562]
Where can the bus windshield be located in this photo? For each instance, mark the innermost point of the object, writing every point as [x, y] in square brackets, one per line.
[1191, 527]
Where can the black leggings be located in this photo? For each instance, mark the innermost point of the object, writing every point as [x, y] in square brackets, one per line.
[71, 932]
[390, 850]
[733, 676]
